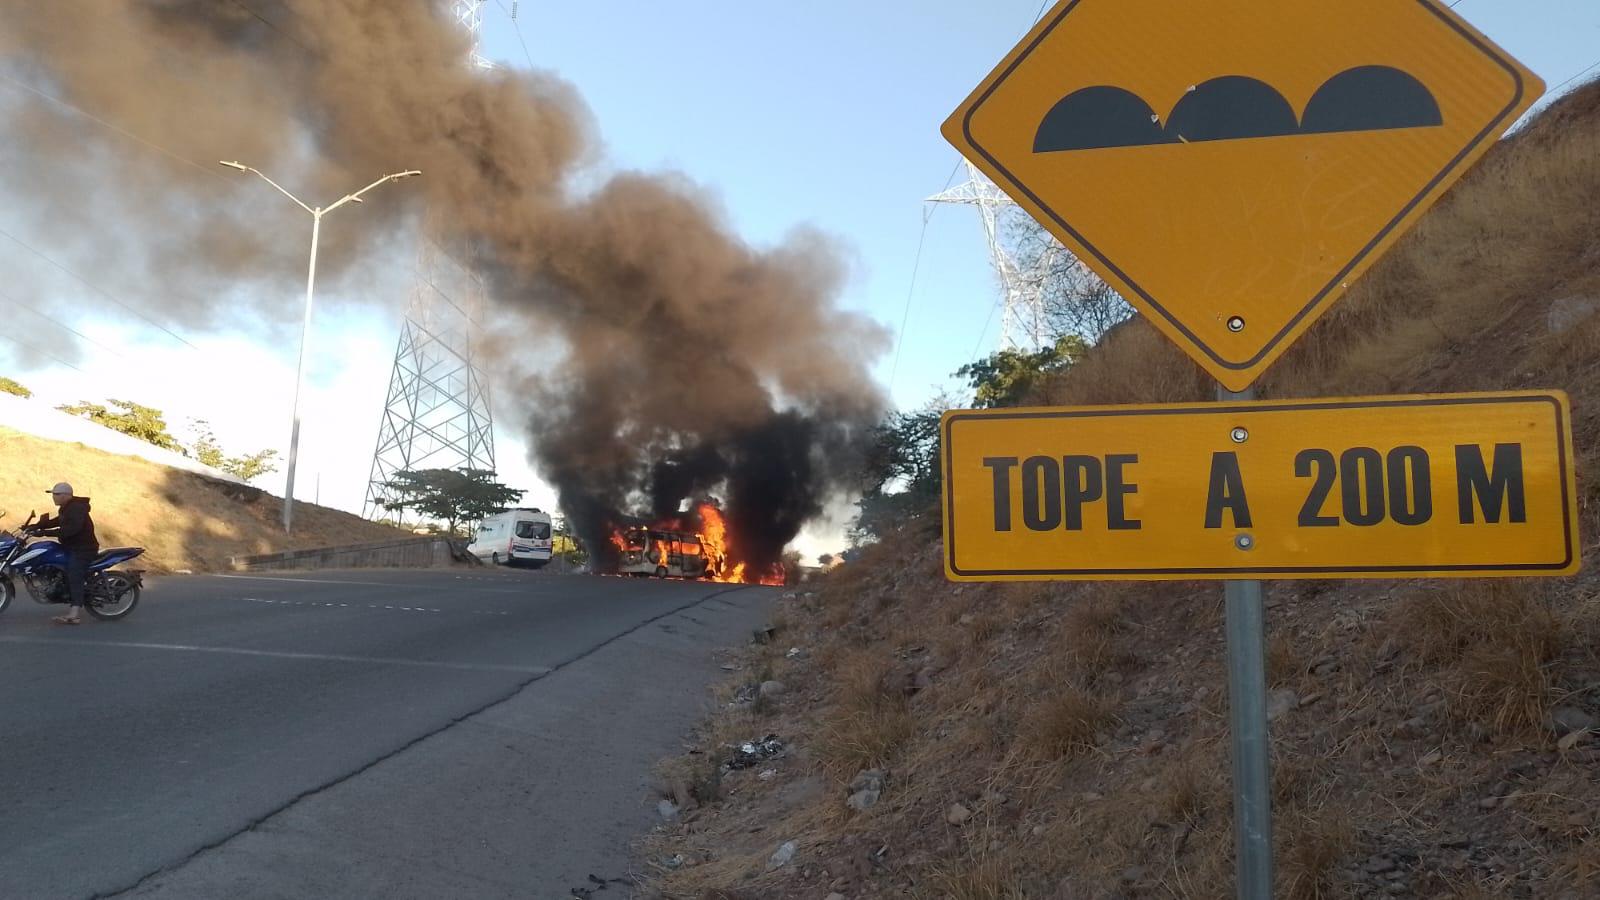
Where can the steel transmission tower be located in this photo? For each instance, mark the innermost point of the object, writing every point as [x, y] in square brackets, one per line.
[469, 15]
[1022, 312]
[437, 414]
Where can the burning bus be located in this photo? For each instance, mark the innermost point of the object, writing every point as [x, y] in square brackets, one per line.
[664, 554]
[670, 549]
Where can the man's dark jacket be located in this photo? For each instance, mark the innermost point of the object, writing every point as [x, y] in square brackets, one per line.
[73, 527]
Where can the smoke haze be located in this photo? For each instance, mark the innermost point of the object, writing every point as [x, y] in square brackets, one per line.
[691, 365]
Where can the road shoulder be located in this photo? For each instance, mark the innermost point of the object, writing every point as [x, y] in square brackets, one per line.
[528, 797]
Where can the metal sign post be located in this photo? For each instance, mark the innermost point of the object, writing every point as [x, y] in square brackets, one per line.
[1246, 623]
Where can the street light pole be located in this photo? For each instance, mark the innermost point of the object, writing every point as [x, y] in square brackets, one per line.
[305, 326]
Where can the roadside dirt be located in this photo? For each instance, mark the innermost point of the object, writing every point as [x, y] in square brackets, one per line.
[183, 520]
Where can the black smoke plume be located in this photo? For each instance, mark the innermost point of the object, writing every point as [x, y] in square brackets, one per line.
[689, 363]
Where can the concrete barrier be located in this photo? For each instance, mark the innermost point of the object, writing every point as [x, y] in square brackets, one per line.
[404, 553]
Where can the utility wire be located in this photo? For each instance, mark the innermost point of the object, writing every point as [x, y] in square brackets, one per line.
[271, 24]
[984, 333]
[63, 104]
[62, 325]
[1587, 69]
[102, 122]
[94, 287]
[512, 15]
[40, 350]
[990, 320]
[905, 315]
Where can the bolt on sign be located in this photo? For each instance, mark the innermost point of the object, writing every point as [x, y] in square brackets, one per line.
[1444, 485]
[1232, 166]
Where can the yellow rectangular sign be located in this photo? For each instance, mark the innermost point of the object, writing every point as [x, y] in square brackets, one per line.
[1445, 485]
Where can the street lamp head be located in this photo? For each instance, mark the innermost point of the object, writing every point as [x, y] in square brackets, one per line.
[409, 173]
[235, 165]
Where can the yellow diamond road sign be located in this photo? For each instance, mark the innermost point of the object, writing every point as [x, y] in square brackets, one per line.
[1230, 166]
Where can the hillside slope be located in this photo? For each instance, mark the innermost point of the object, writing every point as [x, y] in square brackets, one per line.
[184, 520]
[1430, 738]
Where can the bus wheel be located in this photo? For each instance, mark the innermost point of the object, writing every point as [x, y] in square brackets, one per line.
[494, 559]
[661, 571]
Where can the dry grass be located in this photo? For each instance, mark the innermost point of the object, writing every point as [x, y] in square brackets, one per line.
[1064, 721]
[1283, 663]
[849, 742]
[870, 718]
[1500, 640]
[980, 876]
[1314, 845]
[1189, 792]
[985, 626]
[183, 521]
[1094, 636]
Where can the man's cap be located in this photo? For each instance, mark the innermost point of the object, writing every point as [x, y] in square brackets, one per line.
[61, 488]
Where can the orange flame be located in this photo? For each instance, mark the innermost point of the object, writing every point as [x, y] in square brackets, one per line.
[714, 546]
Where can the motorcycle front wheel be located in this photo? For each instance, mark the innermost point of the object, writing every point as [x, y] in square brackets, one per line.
[7, 592]
[114, 597]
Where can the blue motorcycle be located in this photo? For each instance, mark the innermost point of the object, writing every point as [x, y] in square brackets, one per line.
[40, 565]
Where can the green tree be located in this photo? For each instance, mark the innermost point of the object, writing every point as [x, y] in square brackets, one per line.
[207, 451]
[7, 386]
[205, 448]
[1007, 377]
[251, 466]
[450, 495]
[902, 472]
[133, 419]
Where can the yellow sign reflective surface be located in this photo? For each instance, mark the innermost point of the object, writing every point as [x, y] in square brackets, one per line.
[1231, 166]
[1452, 485]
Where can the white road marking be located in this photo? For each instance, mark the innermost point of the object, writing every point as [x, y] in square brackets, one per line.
[284, 654]
[386, 584]
[369, 606]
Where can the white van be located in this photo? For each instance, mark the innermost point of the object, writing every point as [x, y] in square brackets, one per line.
[513, 537]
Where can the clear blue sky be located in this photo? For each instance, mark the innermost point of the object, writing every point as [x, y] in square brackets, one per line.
[828, 113]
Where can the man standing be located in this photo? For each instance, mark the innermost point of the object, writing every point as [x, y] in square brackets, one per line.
[75, 530]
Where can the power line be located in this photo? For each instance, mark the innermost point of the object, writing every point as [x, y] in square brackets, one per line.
[271, 24]
[40, 350]
[102, 122]
[94, 287]
[905, 315]
[1587, 69]
[511, 14]
[1045, 4]
[984, 333]
[62, 325]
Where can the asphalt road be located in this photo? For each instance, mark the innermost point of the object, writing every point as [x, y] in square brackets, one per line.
[364, 734]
